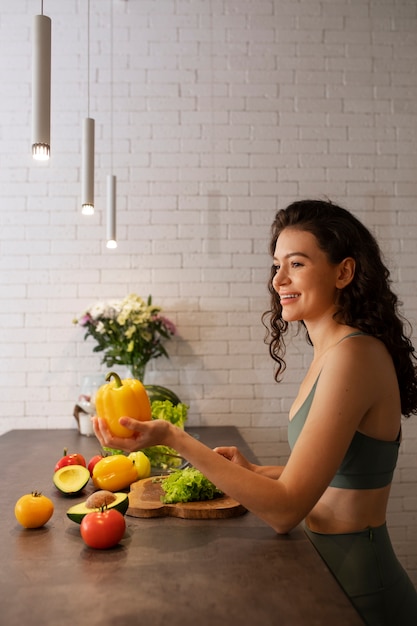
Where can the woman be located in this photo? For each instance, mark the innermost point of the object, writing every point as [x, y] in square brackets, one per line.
[345, 423]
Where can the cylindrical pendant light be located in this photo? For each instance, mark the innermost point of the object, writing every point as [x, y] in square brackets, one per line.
[41, 88]
[87, 165]
[111, 211]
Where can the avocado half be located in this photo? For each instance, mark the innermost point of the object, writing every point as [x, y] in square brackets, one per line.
[71, 479]
[78, 511]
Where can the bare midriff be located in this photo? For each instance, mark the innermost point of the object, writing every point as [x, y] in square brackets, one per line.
[348, 510]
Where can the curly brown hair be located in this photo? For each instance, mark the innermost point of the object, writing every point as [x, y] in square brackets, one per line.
[367, 303]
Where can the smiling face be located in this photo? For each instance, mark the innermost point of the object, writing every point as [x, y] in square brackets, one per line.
[306, 282]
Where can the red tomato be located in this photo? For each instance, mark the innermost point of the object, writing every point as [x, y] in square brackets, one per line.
[70, 459]
[103, 529]
[92, 462]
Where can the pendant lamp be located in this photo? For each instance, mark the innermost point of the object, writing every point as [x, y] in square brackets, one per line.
[87, 167]
[111, 211]
[87, 162]
[41, 87]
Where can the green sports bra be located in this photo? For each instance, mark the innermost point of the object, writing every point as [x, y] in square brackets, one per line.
[368, 463]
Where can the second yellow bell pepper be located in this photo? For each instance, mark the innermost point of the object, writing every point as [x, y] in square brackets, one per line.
[114, 473]
[119, 398]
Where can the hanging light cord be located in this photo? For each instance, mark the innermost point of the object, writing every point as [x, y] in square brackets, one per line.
[41, 7]
[111, 86]
[88, 59]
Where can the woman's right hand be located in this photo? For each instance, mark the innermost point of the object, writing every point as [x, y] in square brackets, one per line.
[145, 434]
[234, 455]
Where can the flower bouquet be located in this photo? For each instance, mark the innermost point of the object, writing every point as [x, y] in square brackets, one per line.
[130, 332]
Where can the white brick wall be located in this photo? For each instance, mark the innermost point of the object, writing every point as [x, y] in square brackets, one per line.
[223, 111]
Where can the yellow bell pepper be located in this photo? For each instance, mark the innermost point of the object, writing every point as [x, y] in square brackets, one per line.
[114, 473]
[119, 398]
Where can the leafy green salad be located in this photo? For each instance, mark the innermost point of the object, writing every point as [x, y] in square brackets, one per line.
[165, 457]
[187, 485]
[166, 410]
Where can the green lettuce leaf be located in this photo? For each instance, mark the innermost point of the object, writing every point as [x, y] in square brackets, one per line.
[188, 485]
[165, 410]
[161, 456]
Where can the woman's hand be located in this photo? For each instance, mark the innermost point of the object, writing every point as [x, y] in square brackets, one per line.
[145, 434]
[233, 454]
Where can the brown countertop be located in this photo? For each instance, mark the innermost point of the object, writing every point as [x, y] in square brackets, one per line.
[165, 571]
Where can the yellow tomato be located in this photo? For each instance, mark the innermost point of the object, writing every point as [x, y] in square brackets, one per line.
[33, 510]
[114, 473]
[142, 464]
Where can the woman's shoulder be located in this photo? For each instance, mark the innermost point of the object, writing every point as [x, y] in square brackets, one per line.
[358, 383]
[361, 354]
[360, 342]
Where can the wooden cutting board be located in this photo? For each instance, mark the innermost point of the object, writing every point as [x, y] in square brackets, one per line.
[145, 501]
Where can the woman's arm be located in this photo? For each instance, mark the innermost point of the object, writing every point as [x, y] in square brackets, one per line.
[239, 479]
[345, 392]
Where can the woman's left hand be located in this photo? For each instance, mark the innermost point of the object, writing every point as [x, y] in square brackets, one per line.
[233, 454]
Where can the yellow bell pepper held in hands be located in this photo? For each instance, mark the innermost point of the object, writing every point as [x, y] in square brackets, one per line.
[114, 473]
[119, 398]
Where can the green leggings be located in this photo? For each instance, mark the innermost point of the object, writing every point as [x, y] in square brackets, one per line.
[365, 566]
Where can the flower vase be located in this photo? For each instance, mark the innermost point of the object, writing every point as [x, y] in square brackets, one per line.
[138, 372]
